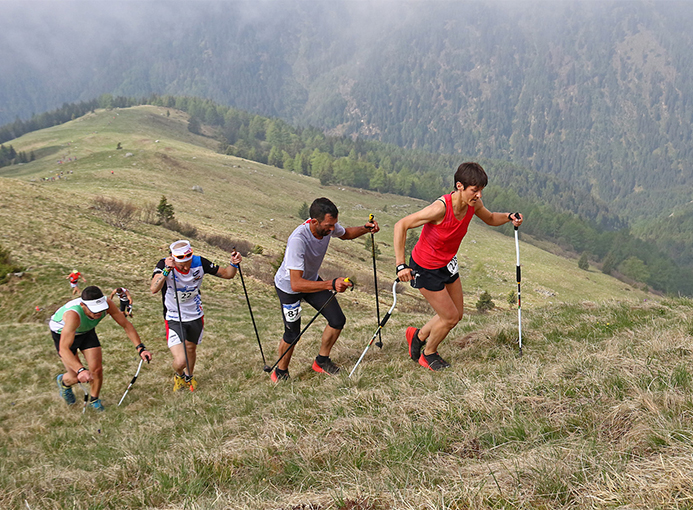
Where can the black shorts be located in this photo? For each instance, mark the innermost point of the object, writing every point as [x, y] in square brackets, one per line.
[193, 331]
[434, 279]
[291, 311]
[124, 305]
[83, 341]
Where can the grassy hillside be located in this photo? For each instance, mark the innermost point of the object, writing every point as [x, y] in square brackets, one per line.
[588, 417]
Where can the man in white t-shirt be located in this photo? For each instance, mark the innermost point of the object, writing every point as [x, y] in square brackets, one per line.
[186, 270]
[297, 279]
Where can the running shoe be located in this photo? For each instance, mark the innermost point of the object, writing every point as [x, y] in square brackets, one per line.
[433, 361]
[179, 382]
[325, 367]
[415, 344]
[65, 391]
[97, 405]
[191, 382]
[277, 377]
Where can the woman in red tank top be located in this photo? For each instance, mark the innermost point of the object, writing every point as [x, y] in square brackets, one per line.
[433, 265]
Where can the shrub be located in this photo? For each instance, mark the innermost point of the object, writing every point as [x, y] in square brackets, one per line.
[149, 214]
[164, 210]
[277, 262]
[7, 266]
[583, 263]
[485, 302]
[185, 229]
[512, 298]
[228, 244]
[118, 214]
[368, 243]
[304, 211]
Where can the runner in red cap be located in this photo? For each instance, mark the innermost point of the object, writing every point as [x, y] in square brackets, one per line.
[74, 277]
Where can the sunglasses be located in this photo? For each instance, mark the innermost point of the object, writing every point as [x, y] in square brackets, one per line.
[184, 256]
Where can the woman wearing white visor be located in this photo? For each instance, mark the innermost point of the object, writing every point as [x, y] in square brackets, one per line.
[73, 328]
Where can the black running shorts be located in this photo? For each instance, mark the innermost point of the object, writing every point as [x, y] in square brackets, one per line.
[83, 341]
[291, 311]
[433, 279]
[124, 305]
[193, 331]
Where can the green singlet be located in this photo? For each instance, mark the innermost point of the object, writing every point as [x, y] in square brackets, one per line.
[85, 323]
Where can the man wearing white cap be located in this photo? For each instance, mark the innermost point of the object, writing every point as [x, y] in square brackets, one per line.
[178, 277]
[73, 328]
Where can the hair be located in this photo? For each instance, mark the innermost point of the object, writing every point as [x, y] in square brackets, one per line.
[471, 174]
[321, 207]
[91, 292]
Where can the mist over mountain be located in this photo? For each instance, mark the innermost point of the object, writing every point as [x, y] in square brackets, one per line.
[598, 94]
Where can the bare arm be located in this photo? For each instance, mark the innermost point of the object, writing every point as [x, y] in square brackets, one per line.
[495, 219]
[300, 284]
[354, 232]
[130, 331]
[159, 280]
[127, 293]
[229, 271]
[71, 322]
[112, 294]
[433, 213]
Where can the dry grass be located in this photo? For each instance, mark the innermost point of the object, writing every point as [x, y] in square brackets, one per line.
[597, 413]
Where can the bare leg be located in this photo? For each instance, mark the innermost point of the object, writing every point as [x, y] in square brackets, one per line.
[179, 357]
[284, 362]
[94, 363]
[329, 337]
[449, 306]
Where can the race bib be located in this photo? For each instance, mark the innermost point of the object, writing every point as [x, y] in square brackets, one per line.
[186, 295]
[452, 266]
[292, 312]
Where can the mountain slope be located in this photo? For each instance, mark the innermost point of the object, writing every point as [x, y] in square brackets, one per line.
[595, 93]
[603, 386]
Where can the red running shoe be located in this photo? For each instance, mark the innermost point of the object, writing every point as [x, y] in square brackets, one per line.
[414, 343]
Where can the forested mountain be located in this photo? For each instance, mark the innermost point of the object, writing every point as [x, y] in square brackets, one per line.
[596, 93]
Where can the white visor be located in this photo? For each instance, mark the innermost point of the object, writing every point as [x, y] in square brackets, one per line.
[96, 305]
[181, 250]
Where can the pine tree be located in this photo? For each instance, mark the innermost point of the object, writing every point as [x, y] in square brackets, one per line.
[164, 210]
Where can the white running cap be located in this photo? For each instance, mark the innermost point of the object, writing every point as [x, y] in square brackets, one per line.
[181, 250]
[96, 305]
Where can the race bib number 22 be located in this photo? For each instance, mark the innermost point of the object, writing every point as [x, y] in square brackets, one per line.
[452, 266]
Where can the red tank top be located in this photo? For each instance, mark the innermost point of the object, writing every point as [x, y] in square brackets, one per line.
[438, 244]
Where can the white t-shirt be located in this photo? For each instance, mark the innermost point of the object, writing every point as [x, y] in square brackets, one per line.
[304, 252]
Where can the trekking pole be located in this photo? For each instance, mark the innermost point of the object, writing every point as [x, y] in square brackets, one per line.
[379, 343]
[131, 382]
[381, 325]
[292, 344]
[247, 300]
[86, 397]
[182, 329]
[519, 280]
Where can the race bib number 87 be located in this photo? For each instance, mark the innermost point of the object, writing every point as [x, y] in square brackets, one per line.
[292, 312]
